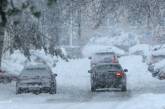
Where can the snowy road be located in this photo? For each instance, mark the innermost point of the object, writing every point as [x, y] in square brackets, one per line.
[144, 92]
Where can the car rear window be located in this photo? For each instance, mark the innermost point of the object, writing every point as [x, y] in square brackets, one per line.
[35, 72]
[105, 57]
[109, 67]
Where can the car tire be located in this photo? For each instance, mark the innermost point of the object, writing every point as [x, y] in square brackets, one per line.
[37, 92]
[53, 89]
[93, 89]
[18, 91]
[124, 88]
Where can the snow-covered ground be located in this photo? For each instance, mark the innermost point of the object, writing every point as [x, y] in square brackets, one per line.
[73, 80]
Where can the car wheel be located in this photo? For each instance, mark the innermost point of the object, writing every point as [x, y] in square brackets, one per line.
[18, 91]
[53, 89]
[37, 92]
[93, 84]
[93, 88]
[124, 88]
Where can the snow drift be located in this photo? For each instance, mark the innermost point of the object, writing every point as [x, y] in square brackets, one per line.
[15, 62]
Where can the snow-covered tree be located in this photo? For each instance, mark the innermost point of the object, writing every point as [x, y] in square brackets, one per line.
[15, 8]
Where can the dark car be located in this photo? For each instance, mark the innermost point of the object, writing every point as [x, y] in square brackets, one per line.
[36, 79]
[103, 57]
[108, 76]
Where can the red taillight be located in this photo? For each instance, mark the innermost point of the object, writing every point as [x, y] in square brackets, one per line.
[119, 74]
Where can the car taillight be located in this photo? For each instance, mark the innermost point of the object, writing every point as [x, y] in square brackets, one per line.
[119, 74]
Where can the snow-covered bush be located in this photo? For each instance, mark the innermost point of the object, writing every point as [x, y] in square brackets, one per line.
[15, 62]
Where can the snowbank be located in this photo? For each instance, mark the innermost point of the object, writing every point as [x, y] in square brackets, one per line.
[15, 62]
[90, 49]
[114, 37]
[160, 52]
[105, 38]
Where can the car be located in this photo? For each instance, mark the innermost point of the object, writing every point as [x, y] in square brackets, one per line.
[37, 79]
[6, 77]
[161, 74]
[108, 75]
[156, 61]
[157, 54]
[151, 67]
[103, 57]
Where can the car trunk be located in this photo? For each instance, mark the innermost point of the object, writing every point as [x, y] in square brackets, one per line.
[107, 79]
[38, 80]
[106, 76]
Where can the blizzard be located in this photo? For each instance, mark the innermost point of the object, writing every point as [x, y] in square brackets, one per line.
[73, 89]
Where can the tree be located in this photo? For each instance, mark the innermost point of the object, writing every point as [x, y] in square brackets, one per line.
[8, 10]
[3, 5]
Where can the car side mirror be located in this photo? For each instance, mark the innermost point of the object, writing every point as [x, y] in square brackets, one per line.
[125, 70]
[89, 57]
[89, 71]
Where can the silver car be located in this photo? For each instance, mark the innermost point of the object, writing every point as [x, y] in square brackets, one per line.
[36, 79]
[103, 57]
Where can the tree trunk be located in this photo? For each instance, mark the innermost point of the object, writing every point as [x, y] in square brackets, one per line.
[3, 21]
[2, 33]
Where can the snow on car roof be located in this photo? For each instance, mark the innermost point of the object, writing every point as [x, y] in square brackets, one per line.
[30, 70]
[160, 64]
[158, 46]
[159, 52]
